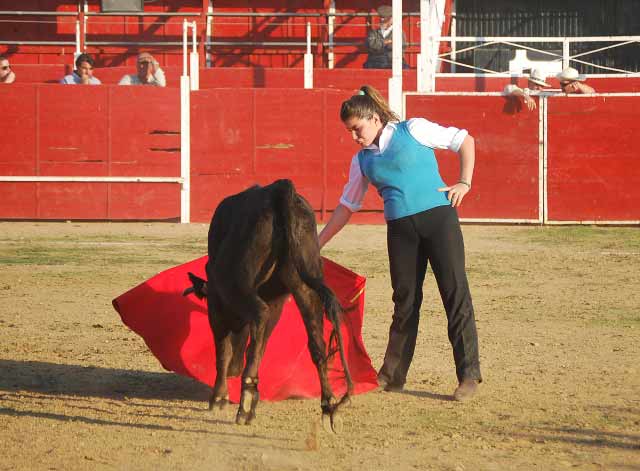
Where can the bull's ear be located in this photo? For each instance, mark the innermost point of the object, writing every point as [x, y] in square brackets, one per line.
[188, 291]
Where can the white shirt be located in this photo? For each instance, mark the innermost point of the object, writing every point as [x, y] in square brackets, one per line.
[75, 79]
[510, 88]
[157, 79]
[425, 132]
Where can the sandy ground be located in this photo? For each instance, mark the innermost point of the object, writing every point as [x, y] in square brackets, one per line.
[558, 312]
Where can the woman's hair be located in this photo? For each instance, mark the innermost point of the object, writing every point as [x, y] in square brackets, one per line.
[365, 103]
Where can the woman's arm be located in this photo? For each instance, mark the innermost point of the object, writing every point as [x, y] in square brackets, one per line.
[467, 154]
[338, 220]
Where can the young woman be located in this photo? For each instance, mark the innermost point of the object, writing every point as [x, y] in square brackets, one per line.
[422, 227]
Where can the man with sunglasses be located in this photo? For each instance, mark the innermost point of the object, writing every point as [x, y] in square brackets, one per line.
[6, 74]
[83, 75]
[149, 73]
[571, 81]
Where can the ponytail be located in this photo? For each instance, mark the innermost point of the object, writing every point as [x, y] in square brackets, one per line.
[367, 102]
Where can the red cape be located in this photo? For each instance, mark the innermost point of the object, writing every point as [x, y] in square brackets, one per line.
[176, 330]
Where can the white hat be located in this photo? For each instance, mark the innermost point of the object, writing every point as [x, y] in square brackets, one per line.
[570, 75]
[536, 76]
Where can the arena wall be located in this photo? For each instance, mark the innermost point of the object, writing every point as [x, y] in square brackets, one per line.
[342, 79]
[577, 167]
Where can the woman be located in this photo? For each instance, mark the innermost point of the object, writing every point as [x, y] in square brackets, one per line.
[422, 227]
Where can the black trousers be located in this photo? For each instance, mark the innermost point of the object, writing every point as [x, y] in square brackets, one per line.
[434, 237]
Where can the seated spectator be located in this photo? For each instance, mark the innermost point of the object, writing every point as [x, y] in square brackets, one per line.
[149, 73]
[380, 42]
[573, 82]
[536, 84]
[83, 75]
[6, 74]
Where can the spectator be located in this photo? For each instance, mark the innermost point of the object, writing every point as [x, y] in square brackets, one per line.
[149, 73]
[83, 75]
[6, 74]
[379, 42]
[572, 82]
[536, 84]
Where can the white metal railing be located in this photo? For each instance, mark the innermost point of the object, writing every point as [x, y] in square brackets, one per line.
[521, 43]
[186, 86]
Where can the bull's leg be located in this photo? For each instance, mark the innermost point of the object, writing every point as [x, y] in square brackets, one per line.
[239, 346]
[222, 336]
[313, 316]
[269, 314]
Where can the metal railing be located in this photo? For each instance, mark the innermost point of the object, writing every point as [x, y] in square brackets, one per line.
[566, 58]
[327, 40]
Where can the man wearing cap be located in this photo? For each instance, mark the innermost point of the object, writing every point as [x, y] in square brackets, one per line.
[379, 42]
[149, 73]
[573, 82]
[536, 85]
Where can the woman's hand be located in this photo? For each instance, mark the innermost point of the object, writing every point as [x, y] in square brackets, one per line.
[456, 192]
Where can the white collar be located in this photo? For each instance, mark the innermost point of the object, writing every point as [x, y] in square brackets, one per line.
[385, 135]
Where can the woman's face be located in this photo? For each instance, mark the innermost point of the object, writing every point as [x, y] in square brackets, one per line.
[365, 131]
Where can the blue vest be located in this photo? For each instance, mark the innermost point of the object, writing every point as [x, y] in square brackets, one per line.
[406, 175]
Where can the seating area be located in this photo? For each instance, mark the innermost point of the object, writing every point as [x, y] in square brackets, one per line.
[242, 34]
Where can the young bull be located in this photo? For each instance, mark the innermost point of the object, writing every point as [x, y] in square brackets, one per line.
[263, 246]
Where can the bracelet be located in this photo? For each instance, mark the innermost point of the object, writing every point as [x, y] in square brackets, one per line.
[465, 183]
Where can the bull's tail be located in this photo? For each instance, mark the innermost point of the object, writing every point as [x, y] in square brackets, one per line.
[198, 286]
[333, 309]
[288, 203]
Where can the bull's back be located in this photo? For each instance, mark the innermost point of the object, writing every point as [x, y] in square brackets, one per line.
[244, 233]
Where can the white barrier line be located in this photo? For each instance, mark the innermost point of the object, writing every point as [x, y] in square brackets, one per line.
[36, 178]
[593, 223]
[504, 221]
[547, 94]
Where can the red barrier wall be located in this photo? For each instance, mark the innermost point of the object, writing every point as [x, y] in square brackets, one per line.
[506, 153]
[245, 136]
[593, 159]
[53, 130]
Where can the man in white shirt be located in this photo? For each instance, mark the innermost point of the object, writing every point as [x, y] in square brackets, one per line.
[149, 73]
[83, 75]
[536, 84]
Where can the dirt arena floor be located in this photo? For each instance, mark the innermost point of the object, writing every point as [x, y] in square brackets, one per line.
[558, 312]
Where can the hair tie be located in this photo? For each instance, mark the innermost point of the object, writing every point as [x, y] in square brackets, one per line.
[361, 92]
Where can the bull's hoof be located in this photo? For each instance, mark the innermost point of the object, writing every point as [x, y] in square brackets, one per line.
[332, 423]
[218, 402]
[248, 401]
[242, 418]
[326, 422]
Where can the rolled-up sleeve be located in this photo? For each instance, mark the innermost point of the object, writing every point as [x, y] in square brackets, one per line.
[435, 136]
[355, 189]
